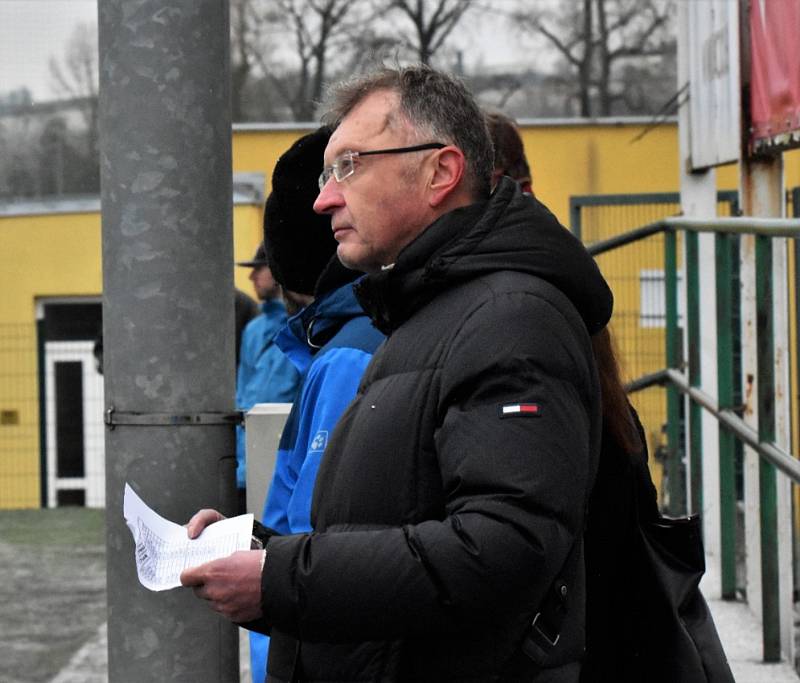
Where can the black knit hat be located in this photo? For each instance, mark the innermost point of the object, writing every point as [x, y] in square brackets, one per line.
[299, 242]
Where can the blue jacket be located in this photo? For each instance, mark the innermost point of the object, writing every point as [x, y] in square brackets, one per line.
[330, 342]
[265, 375]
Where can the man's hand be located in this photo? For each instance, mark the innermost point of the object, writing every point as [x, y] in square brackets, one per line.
[232, 585]
[201, 519]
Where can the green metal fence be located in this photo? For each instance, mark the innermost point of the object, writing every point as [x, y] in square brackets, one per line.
[638, 273]
[682, 376]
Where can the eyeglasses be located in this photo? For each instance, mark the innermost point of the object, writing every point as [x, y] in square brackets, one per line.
[344, 165]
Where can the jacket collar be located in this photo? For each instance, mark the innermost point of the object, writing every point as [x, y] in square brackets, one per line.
[306, 332]
[510, 231]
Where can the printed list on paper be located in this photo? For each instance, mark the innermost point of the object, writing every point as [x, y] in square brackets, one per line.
[163, 549]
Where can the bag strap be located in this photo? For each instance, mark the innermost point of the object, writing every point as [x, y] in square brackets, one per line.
[545, 630]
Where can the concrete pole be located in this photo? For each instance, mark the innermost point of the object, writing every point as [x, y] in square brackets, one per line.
[168, 320]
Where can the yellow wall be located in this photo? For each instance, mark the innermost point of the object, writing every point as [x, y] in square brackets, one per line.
[567, 159]
[58, 255]
[47, 255]
[55, 255]
[257, 150]
[580, 160]
[247, 235]
[608, 159]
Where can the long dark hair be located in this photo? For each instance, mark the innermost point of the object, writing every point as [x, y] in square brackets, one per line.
[618, 422]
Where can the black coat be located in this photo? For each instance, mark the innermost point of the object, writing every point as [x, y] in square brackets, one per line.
[623, 494]
[440, 520]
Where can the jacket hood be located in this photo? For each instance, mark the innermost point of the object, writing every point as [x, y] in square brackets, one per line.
[333, 276]
[318, 322]
[509, 231]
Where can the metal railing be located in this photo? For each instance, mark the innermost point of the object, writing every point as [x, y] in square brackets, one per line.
[682, 376]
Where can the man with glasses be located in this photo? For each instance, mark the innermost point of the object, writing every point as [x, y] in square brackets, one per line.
[449, 505]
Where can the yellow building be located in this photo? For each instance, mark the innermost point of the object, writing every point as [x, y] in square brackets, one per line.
[51, 275]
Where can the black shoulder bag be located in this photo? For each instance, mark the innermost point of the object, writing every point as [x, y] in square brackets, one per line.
[676, 640]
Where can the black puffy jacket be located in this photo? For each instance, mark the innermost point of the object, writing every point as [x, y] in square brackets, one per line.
[453, 489]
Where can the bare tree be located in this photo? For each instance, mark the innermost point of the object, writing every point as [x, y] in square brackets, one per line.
[241, 12]
[597, 40]
[76, 77]
[252, 46]
[371, 46]
[316, 28]
[432, 22]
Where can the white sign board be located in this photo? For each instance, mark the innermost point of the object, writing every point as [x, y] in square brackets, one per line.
[714, 87]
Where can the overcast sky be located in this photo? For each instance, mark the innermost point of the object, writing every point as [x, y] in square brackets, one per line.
[31, 31]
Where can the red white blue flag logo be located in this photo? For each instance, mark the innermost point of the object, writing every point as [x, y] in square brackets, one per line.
[521, 410]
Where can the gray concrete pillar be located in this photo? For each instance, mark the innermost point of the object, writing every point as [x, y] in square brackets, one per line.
[165, 158]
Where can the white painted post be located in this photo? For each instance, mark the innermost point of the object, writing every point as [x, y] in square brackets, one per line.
[783, 438]
[752, 528]
[761, 188]
[264, 424]
[699, 199]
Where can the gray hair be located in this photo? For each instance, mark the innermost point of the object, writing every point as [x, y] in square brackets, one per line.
[430, 100]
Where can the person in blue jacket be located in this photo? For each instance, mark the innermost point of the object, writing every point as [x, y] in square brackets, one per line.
[264, 374]
[330, 341]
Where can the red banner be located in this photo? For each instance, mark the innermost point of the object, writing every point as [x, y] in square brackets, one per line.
[775, 69]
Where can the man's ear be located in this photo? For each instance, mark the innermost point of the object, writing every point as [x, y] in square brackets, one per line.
[448, 173]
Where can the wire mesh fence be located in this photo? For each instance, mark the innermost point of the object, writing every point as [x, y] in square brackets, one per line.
[51, 421]
[19, 417]
[635, 273]
[51, 400]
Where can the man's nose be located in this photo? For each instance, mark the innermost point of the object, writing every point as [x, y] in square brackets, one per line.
[329, 198]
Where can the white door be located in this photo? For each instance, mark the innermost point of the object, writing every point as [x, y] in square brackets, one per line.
[75, 430]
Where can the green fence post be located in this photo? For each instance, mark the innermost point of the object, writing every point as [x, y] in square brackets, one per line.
[725, 399]
[693, 351]
[766, 433]
[676, 486]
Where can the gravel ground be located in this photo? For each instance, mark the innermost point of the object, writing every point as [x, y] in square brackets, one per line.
[53, 588]
[53, 626]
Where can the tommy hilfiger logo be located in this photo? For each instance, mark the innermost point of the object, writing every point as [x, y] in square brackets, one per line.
[521, 410]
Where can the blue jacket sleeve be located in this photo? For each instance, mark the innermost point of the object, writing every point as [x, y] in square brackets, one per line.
[265, 375]
[330, 385]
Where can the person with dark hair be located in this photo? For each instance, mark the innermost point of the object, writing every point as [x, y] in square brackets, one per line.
[449, 505]
[330, 340]
[623, 495]
[264, 374]
[509, 151]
